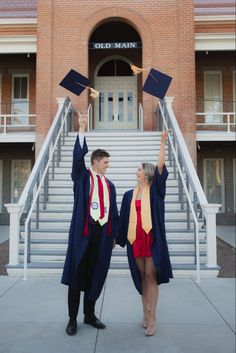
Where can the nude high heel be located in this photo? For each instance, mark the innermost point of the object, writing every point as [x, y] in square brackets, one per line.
[151, 327]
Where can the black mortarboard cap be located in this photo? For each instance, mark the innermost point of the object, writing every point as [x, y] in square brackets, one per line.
[157, 83]
[75, 82]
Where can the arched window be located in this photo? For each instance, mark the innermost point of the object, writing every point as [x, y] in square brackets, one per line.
[115, 67]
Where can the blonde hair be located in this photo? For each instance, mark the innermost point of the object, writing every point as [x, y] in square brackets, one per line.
[149, 170]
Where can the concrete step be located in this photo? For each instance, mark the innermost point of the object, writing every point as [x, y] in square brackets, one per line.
[61, 244]
[117, 160]
[68, 206]
[119, 145]
[66, 215]
[59, 255]
[121, 185]
[118, 180]
[55, 268]
[68, 196]
[116, 134]
[65, 223]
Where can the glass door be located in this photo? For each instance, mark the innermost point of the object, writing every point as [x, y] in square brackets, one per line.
[1, 176]
[213, 97]
[116, 107]
[214, 181]
[20, 173]
[20, 99]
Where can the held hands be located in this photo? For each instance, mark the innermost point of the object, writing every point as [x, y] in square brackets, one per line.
[82, 120]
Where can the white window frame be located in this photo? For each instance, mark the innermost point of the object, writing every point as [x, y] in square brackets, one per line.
[12, 173]
[0, 93]
[234, 182]
[234, 94]
[1, 182]
[221, 87]
[12, 91]
[222, 208]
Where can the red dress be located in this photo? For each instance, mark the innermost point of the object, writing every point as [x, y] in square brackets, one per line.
[142, 244]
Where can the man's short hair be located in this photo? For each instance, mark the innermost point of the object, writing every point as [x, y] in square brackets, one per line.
[98, 155]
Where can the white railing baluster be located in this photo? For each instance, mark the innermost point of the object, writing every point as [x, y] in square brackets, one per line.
[209, 210]
[34, 184]
[140, 115]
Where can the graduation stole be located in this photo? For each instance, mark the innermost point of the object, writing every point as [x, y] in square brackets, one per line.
[86, 226]
[95, 210]
[146, 216]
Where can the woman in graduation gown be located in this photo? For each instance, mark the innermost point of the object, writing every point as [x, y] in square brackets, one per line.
[142, 229]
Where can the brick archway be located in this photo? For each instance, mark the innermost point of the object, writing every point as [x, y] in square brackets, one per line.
[134, 20]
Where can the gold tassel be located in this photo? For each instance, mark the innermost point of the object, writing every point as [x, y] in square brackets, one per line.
[94, 94]
[136, 70]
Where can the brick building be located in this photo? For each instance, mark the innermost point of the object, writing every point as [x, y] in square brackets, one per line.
[192, 41]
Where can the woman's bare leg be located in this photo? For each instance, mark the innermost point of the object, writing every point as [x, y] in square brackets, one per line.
[146, 309]
[152, 294]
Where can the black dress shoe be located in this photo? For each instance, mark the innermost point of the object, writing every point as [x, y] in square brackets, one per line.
[94, 321]
[71, 328]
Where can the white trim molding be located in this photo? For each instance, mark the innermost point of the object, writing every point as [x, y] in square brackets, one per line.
[18, 44]
[18, 21]
[214, 18]
[214, 41]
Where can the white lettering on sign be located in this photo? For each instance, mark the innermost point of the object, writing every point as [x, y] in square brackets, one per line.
[115, 45]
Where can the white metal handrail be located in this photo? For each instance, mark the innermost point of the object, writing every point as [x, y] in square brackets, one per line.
[140, 115]
[63, 122]
[90, 116]
[187, 195]
[4, 125]
[229, 115]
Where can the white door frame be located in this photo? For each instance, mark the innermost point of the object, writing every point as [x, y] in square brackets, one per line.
[234, 94]
[0, 93]
[234, 182]
[97, 83]
[1, 182]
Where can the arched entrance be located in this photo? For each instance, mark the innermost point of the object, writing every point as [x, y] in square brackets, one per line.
[113, 47]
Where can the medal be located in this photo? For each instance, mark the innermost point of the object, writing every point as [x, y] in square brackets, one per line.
[94, 205]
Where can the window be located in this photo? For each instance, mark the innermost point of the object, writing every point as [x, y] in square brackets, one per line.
[20, 102]
[1, 174]
[234, 95]
[20, 172]
[214, 181]
[213, 96]
[234, 181]
[0, 95]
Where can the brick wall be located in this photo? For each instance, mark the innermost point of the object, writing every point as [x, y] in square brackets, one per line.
[167, 32]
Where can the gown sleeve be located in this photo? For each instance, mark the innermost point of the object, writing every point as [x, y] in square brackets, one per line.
[123, 222]
[159, 182]
[78, 165]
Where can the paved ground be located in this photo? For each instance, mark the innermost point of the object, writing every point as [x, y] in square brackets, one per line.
[192, 318]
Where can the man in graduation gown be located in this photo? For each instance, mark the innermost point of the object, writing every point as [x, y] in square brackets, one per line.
[94, 227]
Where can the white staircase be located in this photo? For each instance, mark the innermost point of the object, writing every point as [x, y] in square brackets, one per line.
[44, 210]
[48, 243]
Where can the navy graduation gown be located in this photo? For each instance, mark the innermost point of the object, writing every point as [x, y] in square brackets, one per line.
[77, 243]
[159, 248]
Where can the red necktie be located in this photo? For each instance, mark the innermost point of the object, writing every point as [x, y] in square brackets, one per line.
[101, 197]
